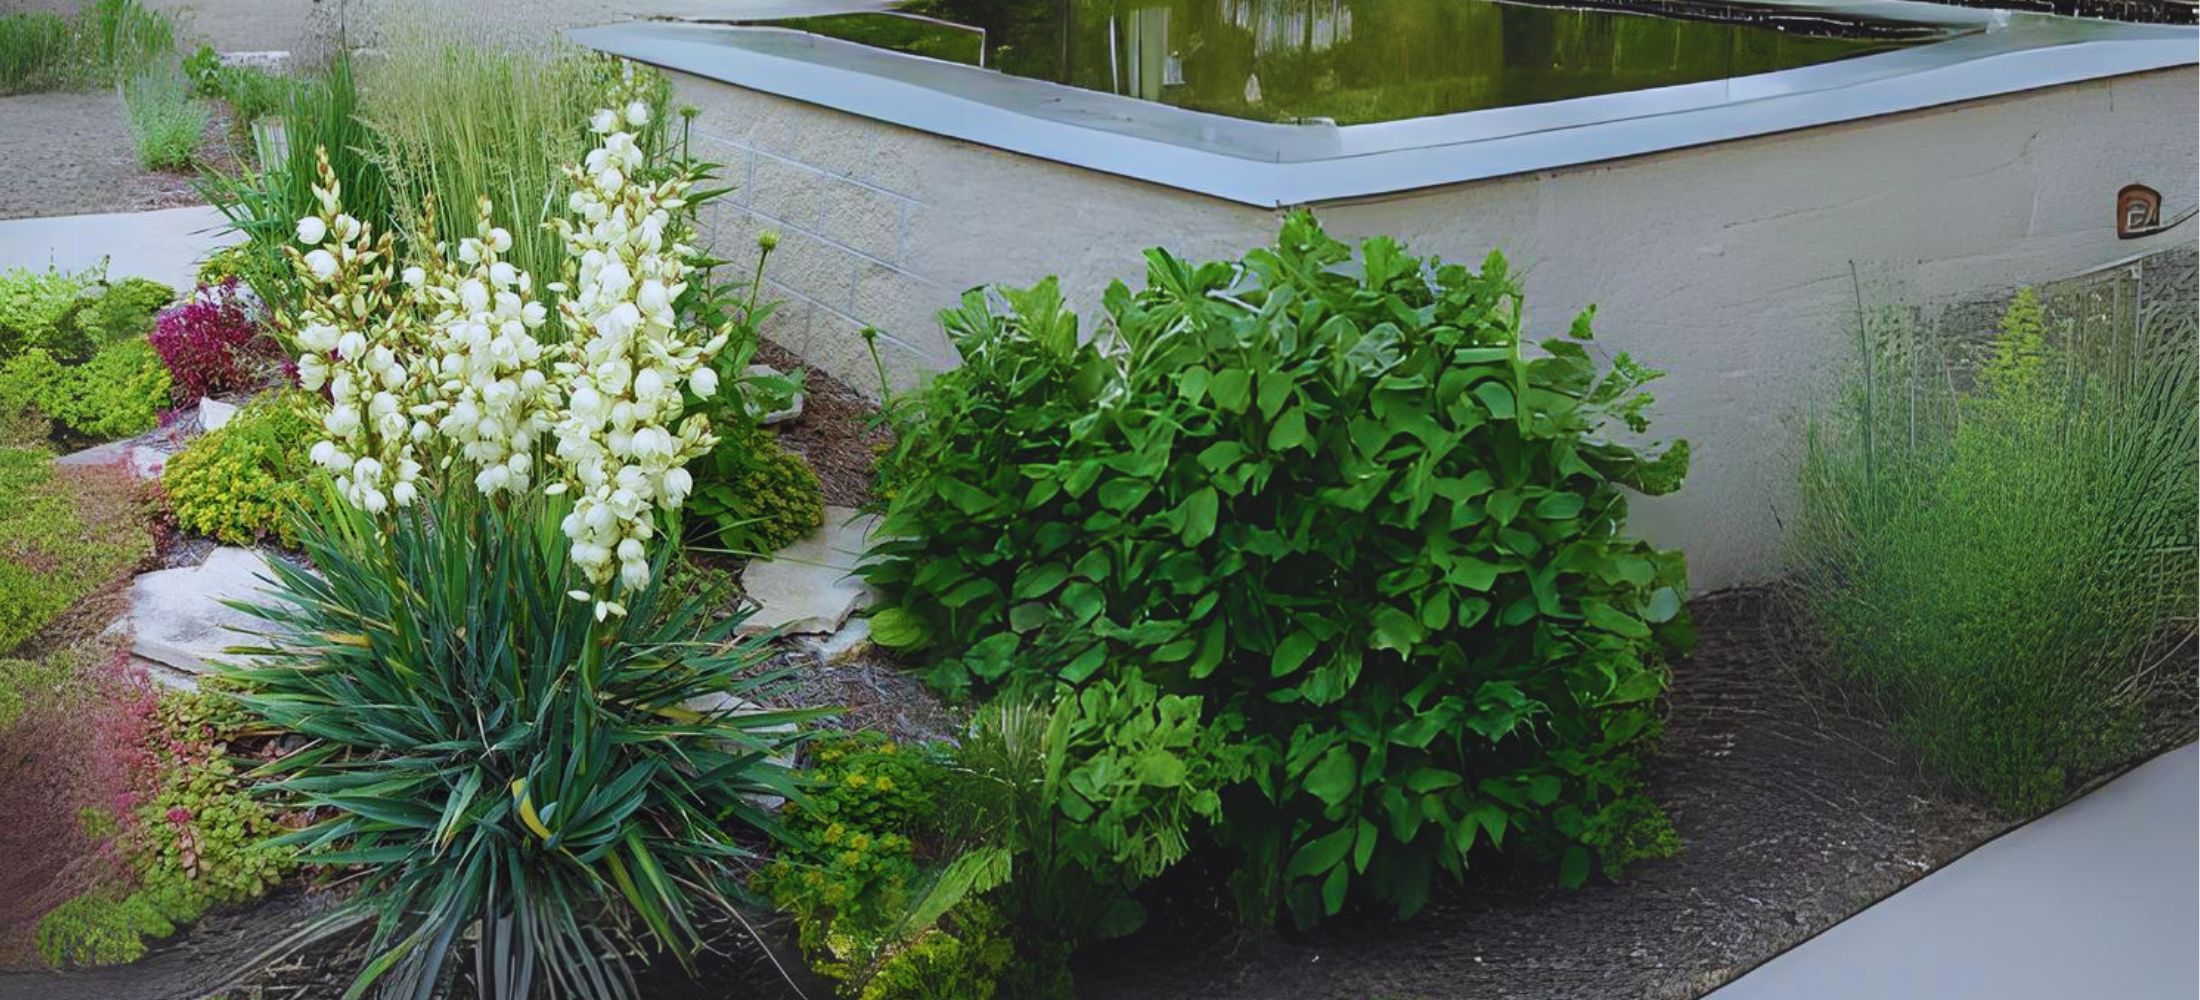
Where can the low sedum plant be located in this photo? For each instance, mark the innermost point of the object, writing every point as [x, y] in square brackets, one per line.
[1335, 496]
[242, 484]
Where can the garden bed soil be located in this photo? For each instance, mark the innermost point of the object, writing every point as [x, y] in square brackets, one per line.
[837, 432]
[1794, 814]
[70, 154]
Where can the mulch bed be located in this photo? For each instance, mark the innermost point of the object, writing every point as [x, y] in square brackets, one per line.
[837, 433]
[1795, 814]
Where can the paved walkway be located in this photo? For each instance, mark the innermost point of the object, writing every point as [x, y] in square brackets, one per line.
[163, 245]
[2097, 899]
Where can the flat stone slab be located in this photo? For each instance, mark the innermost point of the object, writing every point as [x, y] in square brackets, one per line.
[143, 460]
[215, 414]
[177, 616]
[806, 588]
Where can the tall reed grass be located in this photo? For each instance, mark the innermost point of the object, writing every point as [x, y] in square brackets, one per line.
[108, 42]
[2004, 552]
[38, 52]
[459, 118]
[265, 198]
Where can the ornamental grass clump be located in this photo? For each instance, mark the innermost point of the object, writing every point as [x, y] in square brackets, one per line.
[2004, 554]
[1334, 496]
[543, 757]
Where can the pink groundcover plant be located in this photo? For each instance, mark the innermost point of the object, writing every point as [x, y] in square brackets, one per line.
[215, 344]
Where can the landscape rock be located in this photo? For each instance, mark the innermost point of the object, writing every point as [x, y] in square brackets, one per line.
[215, 414]
[143, 460]
[177, 617]
[807, 588]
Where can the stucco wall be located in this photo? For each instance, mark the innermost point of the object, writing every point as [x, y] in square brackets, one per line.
[1728, 266]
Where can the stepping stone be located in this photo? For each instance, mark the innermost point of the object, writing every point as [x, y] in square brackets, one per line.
[794, 408]
[215, 414]
[143, 460]
[177, 615]
[806, 588]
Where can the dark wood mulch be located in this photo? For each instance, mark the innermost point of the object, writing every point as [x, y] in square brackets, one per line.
[837, 433]
[1794, 816]
[1795, 813]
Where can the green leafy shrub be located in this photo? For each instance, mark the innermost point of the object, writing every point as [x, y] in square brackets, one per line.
[239, 484]
[118, 311]
[32, 304]
[2001, 557]
[61, 537]
[849, 872]
[1344, 506]
[118, 388]
[755, 497]
[166, 122]
[250, 92]
[1084, 799]
[964, 957]
[521, 781]
[74, 315]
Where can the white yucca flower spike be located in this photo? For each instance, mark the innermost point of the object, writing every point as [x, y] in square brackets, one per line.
[441, 361]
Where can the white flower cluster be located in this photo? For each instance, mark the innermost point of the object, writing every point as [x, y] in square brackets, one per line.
[494, 401]
[449, 359]
[617, 441]
[354, 328]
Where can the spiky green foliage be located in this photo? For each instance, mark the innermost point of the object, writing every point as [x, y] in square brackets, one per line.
[522, 782]
[267, 197]
[2004, 553]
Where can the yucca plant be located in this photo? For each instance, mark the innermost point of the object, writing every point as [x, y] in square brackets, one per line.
[551, 791]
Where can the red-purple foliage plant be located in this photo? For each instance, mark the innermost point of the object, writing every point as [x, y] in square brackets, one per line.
[213, 343]
[79, 746]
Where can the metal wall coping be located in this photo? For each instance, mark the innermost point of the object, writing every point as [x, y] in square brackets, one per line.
[1988, 54]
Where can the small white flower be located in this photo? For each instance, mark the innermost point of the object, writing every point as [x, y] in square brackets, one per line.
[322, 264]
[637, 113]
[311, 230]
[704, 382]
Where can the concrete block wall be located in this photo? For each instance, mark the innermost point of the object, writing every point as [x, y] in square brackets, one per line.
[1731, 266]
[844, 207]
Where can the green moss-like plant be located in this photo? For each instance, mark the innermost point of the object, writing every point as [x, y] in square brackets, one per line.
[61, 537]
[238, 484]
[32, 304]
[118, 393]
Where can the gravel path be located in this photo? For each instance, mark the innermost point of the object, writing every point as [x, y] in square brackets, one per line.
[70, 154]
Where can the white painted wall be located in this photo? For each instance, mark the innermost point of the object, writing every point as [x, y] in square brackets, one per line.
[1729, 266]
